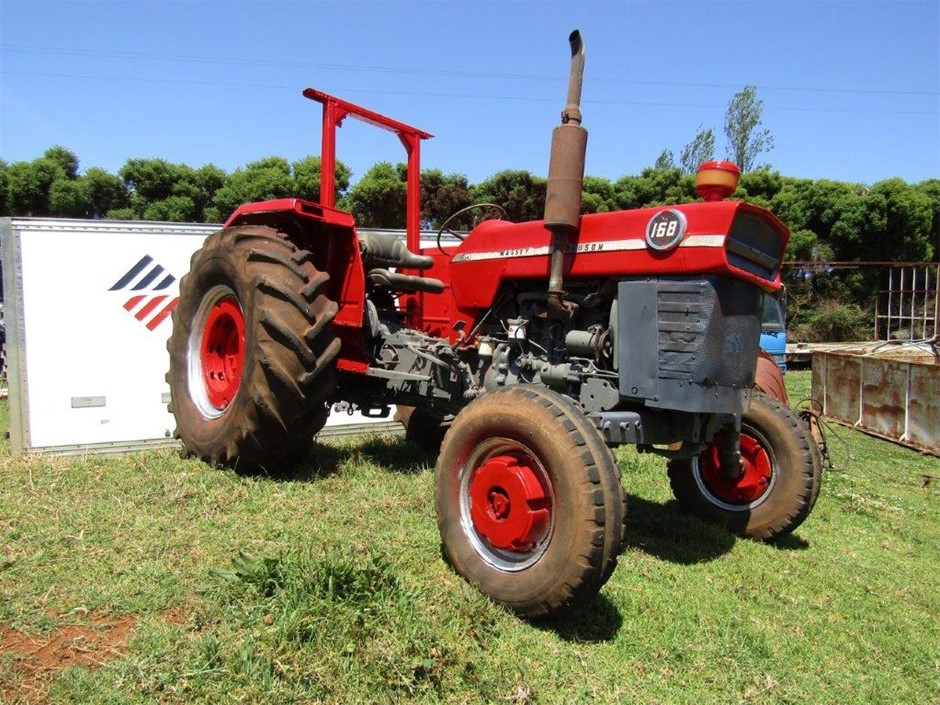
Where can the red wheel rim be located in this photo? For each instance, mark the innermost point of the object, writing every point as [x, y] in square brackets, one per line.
[222, 353]
[753, 482]
[510, 503]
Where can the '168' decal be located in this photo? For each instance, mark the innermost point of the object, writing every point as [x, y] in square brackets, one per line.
[665, 230]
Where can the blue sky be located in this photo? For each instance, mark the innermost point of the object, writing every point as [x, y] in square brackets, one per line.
[851, 89]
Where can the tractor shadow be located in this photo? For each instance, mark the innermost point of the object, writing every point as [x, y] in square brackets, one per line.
[594, 622]
[791, 542]
[665, 531]
[395, 454]
[326, 459]
[668, 533]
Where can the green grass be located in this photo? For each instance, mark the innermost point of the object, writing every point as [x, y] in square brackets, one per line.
[329, 586]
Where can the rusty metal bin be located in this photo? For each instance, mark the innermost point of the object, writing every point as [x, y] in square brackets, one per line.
[890, 393]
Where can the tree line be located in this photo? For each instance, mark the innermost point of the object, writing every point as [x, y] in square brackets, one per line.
[890, 221]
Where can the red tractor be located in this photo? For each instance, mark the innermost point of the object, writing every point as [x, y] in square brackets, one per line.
[539, 346]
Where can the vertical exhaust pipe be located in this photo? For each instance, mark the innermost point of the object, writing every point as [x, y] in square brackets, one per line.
[565, 179]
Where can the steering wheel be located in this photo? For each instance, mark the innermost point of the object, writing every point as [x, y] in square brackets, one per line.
[453, 216]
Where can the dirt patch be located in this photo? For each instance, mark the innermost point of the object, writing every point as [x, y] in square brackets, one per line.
[176, 616]
[36, 658]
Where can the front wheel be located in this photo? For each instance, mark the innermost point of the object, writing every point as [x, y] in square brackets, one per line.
[529, 503]
[777, 487]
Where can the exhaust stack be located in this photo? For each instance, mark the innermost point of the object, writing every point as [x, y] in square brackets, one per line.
[565, 179]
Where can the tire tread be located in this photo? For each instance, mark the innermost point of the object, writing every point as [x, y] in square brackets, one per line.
[290, 365]
[597, 486]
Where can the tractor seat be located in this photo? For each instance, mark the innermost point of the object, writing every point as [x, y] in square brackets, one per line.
[381, 250]
[395, 281]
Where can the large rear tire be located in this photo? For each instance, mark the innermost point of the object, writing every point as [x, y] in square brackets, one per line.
[778, 487]
[529, 502]
[252, 353]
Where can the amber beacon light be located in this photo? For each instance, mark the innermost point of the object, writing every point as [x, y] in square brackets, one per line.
[715, 181]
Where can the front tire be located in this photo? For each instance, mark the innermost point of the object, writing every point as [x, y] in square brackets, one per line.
[779, 485]
[252, 353]
[529, 502]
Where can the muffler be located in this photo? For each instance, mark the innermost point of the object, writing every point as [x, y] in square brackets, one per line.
[565, 180]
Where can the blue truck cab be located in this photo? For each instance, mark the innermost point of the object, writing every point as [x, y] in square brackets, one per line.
[773, 329]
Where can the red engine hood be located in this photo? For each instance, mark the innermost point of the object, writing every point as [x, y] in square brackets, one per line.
[614, 245]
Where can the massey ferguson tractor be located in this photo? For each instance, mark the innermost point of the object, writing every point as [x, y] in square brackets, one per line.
[537, 346]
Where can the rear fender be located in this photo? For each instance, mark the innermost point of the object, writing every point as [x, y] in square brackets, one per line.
[330, 236]
[769, 378]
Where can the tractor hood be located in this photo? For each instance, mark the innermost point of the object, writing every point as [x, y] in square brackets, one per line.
[729, 238]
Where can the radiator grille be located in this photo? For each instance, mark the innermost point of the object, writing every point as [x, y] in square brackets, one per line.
[708, 330]
[688, 343]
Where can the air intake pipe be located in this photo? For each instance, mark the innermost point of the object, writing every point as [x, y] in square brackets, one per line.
[565, 178]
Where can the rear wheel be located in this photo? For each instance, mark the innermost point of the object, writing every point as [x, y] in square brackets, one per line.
[777, 487]
[529, 503]
[423, 427]
[252, 353]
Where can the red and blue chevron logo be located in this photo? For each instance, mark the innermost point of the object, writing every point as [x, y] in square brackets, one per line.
[144, 281]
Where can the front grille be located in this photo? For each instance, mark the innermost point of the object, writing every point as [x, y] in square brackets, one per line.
[688, 343]
[708, 330]
[754, 246]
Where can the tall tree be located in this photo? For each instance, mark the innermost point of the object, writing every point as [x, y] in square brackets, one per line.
[899, 221]
[700, 149]
[51, 186]
[174, 209]
[271, 177]
[68, 199]
[665, 160]
[206, 181]
[597, 195]
[654, 187]
[747, 138]
[150, 179]
[930, 188]
[192, 193]
[188, 192]
[837, 214]
[761, 186]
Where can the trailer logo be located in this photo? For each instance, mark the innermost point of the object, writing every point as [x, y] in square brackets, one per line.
[665, 230]
[150, 307]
